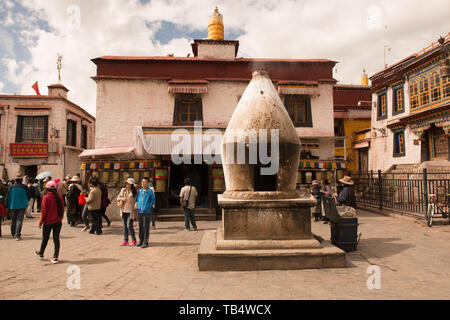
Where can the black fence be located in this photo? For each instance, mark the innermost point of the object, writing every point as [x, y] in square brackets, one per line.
[400, 191]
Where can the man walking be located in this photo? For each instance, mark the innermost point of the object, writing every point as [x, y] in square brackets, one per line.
[94, 203]
[17, 202]
[188, 195]
[73, 208]
[145, 200]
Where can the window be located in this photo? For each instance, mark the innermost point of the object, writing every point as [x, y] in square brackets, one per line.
[399, 143]
[428, 88]
[382, 106]
[339, 132]
[299, 109]
[71, 137]
[84, 137]
[32, 129]
[398, 100]
[188, 108]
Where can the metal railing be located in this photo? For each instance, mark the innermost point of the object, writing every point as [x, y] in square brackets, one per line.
[401, 191]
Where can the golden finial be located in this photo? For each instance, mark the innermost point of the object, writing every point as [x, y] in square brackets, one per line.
[59, 66]
[364, 78]
[215, 26]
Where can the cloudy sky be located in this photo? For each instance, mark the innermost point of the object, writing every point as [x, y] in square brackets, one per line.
[354, 33]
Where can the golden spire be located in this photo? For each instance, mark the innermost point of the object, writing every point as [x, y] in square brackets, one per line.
[364, 79]
[215, 26]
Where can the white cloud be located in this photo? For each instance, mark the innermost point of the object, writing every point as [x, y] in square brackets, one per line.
[2, 85]
[337, 30]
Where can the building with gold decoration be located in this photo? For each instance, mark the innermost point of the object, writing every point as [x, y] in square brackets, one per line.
[43, 133]
[143, 101]
[352, 113]
[411, 111]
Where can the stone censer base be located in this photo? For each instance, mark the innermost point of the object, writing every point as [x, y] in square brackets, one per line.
[266, 234]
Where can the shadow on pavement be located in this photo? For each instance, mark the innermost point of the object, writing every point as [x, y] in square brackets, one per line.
[172, 244]
[382, 247]
[91, 261]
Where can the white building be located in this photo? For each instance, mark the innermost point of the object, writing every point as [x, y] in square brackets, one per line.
[411, 112]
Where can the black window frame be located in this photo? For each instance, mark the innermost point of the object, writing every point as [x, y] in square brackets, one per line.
[395, 90]
[73, 124]
[20, 128]
[177, 105]
[308, 121]
[396, 145]
[83, 140]
[380, 116]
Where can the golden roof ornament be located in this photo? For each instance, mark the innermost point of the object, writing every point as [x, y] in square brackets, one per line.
[215, 26]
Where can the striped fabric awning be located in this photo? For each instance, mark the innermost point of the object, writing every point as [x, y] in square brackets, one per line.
[310, 164]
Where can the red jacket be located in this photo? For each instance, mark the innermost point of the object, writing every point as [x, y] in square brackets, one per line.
[49, 210]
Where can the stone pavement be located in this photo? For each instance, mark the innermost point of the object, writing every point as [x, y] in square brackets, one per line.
[414, 261]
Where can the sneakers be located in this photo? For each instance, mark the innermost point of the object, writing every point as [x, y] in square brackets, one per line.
[18, 239]
[187, 229]
[37, 254]
[54, 260]
[144, 246]
[85, 229]
[139, 244]
[133, 243]
[125, 243]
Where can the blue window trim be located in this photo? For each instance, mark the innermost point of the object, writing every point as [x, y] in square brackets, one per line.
[394, 99]
[396, 142]
[379, 109]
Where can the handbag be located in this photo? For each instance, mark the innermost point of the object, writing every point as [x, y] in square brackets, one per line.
[184, 203]
[81, 200]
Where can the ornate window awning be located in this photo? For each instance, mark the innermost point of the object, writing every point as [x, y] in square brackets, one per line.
[305, 87]
[188, 86]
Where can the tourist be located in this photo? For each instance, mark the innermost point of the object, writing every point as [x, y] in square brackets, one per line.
[144, 203]
[315, 191]
[94, 202]
[3, 194]
[51, 220]
[37, 193]
[188, 196]
[326, 192]
[73, 208]
[65, 187]
[31, 193]
[153, 214]
[104, 203]
[126, 200]
[17, 202]
[347, 195]
[85, 213]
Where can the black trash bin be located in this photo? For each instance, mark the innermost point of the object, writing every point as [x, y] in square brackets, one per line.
[344, 231]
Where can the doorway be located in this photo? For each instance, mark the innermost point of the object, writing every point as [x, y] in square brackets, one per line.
[438, 142]
[30, 171]
[199, 175]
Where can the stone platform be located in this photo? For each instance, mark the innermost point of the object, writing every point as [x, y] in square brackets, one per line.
[302, 255]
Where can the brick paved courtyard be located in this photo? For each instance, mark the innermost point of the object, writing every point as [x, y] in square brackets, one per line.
[414, 261]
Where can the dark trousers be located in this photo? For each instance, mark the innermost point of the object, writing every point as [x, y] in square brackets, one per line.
[16, 222]
[153, 216]
[85, 216]
[46, 229]
[128, 227]
[96, 217]
[144, 228]
[37, 200]
[189, 216]
[103, 215]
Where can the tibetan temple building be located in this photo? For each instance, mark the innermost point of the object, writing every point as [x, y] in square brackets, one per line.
[143, 101]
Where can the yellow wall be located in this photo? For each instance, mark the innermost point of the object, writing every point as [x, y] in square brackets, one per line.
[351, 126]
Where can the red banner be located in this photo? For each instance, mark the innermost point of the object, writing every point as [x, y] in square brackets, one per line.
[29, 149]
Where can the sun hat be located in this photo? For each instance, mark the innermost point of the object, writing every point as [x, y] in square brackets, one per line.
[131, 181]
[347, 180]
[51, 185]
[75, 179]
[315, 182]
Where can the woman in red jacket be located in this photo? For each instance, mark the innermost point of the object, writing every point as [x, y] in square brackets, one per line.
[52, 211]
